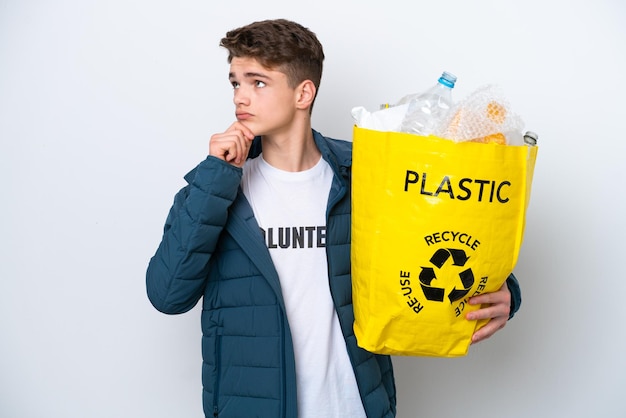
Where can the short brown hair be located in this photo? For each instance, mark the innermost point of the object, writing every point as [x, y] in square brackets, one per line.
[281, 45]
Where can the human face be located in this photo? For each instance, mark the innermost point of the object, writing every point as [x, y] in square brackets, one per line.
[264, 102]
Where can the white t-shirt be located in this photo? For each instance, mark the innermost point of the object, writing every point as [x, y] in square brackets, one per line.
[290, 208]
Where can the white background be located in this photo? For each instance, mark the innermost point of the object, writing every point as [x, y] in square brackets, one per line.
[105, 105]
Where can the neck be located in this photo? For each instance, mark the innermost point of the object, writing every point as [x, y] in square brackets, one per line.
[294, 150]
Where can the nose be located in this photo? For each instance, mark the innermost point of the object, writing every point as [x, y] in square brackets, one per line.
[241, 96]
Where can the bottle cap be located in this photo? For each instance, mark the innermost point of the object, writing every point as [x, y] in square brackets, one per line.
[531, 138]
[447, 79]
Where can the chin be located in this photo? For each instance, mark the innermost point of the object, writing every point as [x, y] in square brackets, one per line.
[256, 128]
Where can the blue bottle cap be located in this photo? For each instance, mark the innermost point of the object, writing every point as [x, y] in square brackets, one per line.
[447, 79]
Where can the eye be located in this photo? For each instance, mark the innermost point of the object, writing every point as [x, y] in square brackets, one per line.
[260, 83]
[235, 84]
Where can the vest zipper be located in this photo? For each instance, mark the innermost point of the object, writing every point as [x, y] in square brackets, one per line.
[218, 367]
[284, 365]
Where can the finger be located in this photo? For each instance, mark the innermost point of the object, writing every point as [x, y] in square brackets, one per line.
[231, 153]
[246, 144]
[227, 146]
[488, 330]
[243, 137]
[221, 148]
[488, 312]
[242, 129]
[503, 295]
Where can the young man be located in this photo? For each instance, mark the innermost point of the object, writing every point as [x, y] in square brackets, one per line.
[262, 234]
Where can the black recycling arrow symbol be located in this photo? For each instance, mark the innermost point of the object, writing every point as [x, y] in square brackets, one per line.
[467, 278]
[458, 256]
[442, 255]
[427, 275]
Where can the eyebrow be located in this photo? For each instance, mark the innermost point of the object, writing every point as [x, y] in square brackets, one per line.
[249, 75]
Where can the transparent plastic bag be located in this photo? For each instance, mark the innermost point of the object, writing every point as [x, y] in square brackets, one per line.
[386, 120]
[484, 116]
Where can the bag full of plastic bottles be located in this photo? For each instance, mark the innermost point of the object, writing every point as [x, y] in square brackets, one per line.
[437, 217]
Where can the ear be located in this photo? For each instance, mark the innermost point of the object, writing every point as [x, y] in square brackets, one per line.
[305, 94]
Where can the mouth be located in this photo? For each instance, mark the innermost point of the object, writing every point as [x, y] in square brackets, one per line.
[243, 115]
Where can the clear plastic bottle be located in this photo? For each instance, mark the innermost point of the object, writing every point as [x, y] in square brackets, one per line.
[427, 109]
